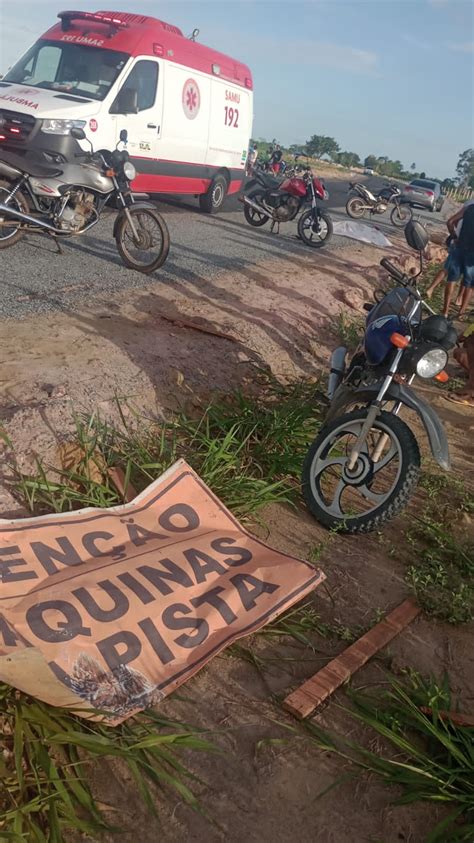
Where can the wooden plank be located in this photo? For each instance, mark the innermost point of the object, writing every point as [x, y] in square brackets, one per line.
[319, 687]
[118, 479]
[456, 717]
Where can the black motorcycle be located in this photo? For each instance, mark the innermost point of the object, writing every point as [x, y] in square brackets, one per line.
[361, 201]
[40, 195]
[364, 465]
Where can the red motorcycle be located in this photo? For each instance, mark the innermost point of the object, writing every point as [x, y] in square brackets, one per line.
[270, 199]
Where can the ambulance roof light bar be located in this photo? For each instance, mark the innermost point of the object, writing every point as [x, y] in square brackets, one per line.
[66, 19]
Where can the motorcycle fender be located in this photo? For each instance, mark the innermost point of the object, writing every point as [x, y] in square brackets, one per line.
[143, 205]
[346, 395]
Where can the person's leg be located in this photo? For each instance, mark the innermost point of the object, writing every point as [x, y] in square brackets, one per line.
[466, 298]
[439, 278]
[454, 269]
[448, 294]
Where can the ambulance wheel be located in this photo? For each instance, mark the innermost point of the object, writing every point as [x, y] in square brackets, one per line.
[212, 201]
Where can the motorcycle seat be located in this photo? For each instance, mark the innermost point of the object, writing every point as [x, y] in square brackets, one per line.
[268, 181]
[32, 167]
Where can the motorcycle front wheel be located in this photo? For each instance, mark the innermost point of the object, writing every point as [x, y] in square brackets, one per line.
[143, 246]
[251, 215]
[376, 490]
[315, 230]
[401, 215]
[355, 207]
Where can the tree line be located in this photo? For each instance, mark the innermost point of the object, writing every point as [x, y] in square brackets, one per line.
[319, 145]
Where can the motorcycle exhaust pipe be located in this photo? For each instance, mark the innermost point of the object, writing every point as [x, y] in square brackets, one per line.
[12, 213]
[337, 370]
[246, 201]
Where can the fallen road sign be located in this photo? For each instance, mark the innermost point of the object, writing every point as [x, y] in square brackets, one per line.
[112, 609]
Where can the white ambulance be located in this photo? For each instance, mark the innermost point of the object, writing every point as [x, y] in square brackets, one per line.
[187, 109]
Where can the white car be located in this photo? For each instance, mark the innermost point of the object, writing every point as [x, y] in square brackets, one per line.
[368, 171]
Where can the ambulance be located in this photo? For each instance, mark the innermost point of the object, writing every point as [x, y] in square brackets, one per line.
[187, 108]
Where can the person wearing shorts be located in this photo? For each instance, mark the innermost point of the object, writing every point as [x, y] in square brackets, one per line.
[442, 274]
[460, 260]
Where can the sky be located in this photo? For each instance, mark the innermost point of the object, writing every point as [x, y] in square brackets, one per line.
[383, 77]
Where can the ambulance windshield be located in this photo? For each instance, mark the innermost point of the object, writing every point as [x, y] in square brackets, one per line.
[69, 68]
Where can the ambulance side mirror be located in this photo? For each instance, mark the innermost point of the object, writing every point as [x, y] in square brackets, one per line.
[126, 102]
[78, 134]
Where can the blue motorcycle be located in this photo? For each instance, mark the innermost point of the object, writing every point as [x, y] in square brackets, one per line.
[364, 465]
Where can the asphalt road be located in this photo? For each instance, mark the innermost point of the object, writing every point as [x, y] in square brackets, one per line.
[35, 279]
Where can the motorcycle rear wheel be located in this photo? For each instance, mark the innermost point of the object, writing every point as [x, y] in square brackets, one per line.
[149, 250]
[11, 234]
[334, 495]
[401, 215]
[355, 207]
[315, 232]
[252, 216]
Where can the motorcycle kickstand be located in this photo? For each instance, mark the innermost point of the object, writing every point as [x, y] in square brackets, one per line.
[59, 249]
[272, 227]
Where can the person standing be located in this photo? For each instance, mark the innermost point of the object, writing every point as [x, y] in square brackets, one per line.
[252, 159]
[275, 159]
[443, 273]
[460, 261]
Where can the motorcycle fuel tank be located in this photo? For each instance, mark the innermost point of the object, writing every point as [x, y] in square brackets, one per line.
[296, 187]
[387, 317]
[85, 176]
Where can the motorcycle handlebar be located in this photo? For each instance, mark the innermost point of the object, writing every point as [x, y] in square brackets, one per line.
[394, 271]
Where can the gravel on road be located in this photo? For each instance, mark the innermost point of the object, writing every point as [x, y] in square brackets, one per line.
[35, 279]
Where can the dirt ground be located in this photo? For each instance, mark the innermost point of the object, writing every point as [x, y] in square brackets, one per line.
[280, 315]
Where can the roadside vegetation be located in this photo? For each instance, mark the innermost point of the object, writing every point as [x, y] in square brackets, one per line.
[249, 449]
[420, 751]
[46, 765]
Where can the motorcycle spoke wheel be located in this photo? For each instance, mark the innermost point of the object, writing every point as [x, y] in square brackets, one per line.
[401, 215]
[145, 248]
[356, 208]
[379, 485]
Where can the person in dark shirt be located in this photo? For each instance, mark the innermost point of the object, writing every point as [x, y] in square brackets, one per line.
[275, 159]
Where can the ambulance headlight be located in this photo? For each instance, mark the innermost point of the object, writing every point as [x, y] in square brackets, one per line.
[129, 171]
[61, 127]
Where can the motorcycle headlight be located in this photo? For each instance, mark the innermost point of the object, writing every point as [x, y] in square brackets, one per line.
[61, 127]
[431, 363]
[129, 170]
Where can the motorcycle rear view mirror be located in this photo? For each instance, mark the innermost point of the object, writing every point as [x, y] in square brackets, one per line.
[78, 134]
[123, 135]
[416, 236]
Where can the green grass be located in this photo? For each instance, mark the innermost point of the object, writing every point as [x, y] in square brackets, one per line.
[441, 567]
[45, 767]
[426, 757]
[349, 329]
[249, 450]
